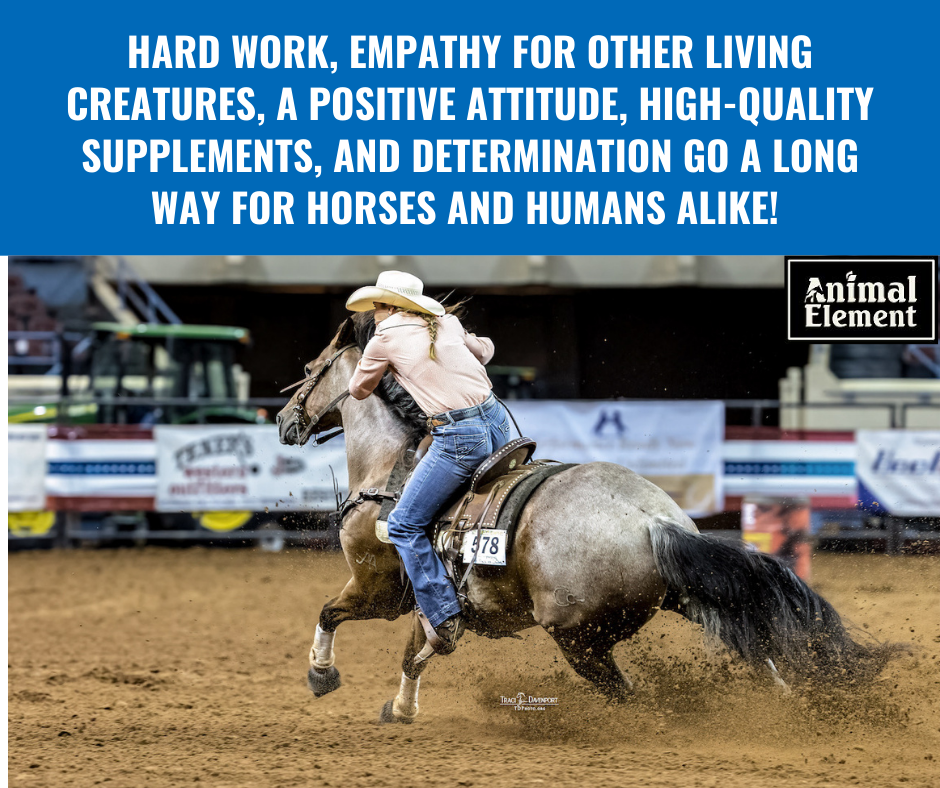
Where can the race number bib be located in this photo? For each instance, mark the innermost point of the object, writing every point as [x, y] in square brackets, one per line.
[492, 547]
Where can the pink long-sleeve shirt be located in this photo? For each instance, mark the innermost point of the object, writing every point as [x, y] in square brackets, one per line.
[455, 379]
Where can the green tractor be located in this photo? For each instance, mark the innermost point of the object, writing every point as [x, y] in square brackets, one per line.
[148, 373]
[192, 367]
[144, 374]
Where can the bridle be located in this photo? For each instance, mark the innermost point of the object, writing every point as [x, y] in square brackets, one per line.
[309, 383]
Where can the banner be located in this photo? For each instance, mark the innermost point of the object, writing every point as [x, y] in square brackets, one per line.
[676, 445]
[100, 467]
[821, 470]
[899, 472]
[244, 468]
[26, 467]
[496, 128]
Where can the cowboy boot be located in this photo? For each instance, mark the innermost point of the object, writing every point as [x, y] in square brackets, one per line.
[449, 633]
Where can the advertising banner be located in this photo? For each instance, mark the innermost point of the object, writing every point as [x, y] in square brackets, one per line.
[821, 470]
[899, 472]
[244, 467]
[26, 467]
[481, 132]
[676, 445]
[100, 468]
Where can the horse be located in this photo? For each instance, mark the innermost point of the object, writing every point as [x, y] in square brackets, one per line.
[598, 551]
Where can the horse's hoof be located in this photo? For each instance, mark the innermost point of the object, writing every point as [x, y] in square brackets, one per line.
[323, 681]
[387, 715]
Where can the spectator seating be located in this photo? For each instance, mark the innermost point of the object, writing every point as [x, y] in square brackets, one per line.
[27, 312]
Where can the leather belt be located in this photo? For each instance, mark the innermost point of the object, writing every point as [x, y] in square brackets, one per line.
[453, 416]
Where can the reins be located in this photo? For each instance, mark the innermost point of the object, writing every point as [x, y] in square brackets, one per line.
[509, 412]
[308, 425]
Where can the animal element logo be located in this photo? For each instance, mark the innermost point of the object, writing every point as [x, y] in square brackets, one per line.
[843, 299]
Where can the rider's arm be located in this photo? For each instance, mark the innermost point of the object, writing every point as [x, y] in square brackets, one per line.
[481, 347]
[369, 370]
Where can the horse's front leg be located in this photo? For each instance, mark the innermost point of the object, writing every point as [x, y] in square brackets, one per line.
[404, 706]
[351, 605]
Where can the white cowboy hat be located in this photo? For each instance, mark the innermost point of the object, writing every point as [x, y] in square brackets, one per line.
[398, 289]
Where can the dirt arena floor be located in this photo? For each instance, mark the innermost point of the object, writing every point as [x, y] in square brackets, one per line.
[177, 667]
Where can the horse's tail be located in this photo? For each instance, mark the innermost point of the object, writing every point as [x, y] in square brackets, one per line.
[758, 608]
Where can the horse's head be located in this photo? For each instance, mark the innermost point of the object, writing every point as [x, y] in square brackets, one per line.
[307, 412]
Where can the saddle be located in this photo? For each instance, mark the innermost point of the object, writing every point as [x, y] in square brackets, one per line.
[478, 530]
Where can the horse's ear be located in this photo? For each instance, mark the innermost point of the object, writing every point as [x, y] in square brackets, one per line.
[346, 335]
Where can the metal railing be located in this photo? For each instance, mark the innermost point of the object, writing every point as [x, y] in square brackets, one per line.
[193, 405]
[897, 411]
[894, 532]
[50, 339]
[920, 353]
[56, 341]
[136, 293]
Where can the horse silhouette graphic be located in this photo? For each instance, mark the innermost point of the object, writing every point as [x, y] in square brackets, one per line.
[610, 418]
[814, 292]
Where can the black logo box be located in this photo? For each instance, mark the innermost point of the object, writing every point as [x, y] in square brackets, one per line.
[802, 291]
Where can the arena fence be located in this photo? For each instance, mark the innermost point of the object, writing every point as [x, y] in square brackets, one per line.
[758, 460]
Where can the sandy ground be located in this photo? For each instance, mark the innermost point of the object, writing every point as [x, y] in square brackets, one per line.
[173, 667]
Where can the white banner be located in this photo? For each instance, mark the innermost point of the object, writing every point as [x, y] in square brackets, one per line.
[26, 467]
[95, 468]
[899, 471]
[244, 468]
[676, 445]
[791, 469]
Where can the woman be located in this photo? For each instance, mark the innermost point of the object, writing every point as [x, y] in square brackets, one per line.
[440, 364]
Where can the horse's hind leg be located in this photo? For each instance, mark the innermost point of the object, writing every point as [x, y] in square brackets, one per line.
[588, 651]
[404, 706]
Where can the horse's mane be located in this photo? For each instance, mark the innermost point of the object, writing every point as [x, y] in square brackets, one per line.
[399, 401]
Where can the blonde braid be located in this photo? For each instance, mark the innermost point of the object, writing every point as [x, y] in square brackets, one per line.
[432, 330]
[433, 325]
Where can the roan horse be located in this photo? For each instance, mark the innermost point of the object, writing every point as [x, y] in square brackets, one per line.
[598, 551]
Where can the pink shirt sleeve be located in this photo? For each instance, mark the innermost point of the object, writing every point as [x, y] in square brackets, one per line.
[370, 369]
[481, 347]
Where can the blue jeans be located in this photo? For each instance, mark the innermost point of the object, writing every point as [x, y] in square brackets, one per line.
[456, 451]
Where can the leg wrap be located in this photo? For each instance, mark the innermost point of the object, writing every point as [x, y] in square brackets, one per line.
[406, 702]
[321, 652]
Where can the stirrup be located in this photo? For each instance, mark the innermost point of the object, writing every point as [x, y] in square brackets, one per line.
[435, 641]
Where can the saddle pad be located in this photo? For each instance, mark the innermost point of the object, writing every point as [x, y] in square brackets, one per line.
[512, 492]
[512, 507]
[497, 506]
